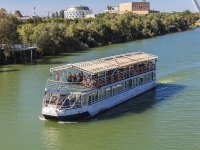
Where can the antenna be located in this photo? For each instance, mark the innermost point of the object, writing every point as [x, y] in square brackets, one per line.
[34, 12]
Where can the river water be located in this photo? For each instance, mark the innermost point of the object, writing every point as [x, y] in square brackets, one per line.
[166, 118]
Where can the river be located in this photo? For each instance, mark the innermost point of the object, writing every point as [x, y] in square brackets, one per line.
[166, 118]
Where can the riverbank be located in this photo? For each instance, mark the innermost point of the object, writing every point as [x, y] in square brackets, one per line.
[54, 36]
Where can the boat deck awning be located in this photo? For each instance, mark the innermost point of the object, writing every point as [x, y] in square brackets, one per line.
[108, 63]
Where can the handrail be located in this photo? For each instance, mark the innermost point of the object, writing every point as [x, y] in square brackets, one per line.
[98, 81]
[19, 46]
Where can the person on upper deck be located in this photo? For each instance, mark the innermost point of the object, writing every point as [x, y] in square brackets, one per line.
[79, 78]
[74, 77]
[57, 77]
[69, 79]
[81, 75]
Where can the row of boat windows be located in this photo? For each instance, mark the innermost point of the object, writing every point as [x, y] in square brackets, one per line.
[74, 16]
[118, 88]
[139, 4]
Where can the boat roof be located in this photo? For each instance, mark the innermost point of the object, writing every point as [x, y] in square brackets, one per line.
[108, 63]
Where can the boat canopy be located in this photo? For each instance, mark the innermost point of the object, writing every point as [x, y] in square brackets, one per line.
[108, 63]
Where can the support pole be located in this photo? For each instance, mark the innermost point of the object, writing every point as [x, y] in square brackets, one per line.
[24, 56]
[34, 55]
[14, 57]
[31, 55]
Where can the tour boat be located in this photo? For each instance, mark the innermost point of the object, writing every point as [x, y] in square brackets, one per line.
[81, 90]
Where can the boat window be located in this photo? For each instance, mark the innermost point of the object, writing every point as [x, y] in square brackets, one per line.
[108, 92]
[94, 96]
[141, 80]
[66, 103]
[133, 82]
[75, 101]
[128, 84]
[103, 94]
[144, 78]
[147, 77]
[89, 99]
[84, 100]
[150, 76]
[154, 76]
[119, 86]
[78, 101]
[115, 90]
[62, 99]
[137, 81]
[54, 100]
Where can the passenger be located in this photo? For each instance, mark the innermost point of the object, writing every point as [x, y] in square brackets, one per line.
[84, 82]
[79, 78]
[69, 79]
[81, 75]
[91, 85]
[57, 77]
[88, 82]
[74, 77]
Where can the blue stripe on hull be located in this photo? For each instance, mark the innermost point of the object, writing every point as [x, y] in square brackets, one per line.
[74, 117]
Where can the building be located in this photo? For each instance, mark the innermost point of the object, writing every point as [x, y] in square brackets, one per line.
[23, 18]
[78, 12]
[114, 9]
[135, 7]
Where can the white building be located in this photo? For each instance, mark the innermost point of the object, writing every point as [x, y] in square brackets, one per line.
[78, 12]
[112, 9]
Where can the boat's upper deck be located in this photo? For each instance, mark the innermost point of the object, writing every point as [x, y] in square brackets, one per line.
[108, 63]
[97, 73]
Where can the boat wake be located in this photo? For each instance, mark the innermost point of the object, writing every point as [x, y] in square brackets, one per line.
[67, 122]
[42, 118]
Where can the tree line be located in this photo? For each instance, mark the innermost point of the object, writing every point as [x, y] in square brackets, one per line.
[58, 35]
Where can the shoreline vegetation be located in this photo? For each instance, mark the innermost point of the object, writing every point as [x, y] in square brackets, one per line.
[58, 35]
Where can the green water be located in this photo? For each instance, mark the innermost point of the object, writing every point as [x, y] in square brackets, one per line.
[166, 118]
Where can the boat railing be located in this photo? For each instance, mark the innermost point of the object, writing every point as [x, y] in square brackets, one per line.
[98, 81]
[65, 86]
[121, 75]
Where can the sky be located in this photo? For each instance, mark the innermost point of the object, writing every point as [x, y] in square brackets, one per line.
[42, 7]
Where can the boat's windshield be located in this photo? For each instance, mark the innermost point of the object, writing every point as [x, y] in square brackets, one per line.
[62, 101]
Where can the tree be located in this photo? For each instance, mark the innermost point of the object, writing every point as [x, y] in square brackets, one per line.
[62, 14]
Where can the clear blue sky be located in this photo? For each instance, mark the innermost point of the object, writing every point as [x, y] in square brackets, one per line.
[43, 6]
